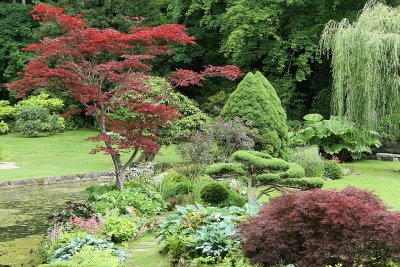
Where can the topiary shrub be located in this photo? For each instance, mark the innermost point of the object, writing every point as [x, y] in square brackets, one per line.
[214, 193]
[332, 170]
[319, 228]
[263, 170]
[255, 100]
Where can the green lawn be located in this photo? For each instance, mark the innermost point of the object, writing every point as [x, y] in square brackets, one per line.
[66, 153]
[382, 177]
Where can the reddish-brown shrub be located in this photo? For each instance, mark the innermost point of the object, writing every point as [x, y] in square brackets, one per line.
[317, 228]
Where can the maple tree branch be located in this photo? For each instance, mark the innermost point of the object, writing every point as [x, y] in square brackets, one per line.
[133, 156]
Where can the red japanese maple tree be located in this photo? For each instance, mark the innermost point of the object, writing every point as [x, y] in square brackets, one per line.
[107, 72]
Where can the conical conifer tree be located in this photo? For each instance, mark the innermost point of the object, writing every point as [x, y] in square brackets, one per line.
[255, 100]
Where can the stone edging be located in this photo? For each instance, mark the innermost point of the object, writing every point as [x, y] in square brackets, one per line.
[58, 179]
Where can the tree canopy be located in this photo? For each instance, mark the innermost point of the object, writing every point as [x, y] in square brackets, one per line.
[108, 71]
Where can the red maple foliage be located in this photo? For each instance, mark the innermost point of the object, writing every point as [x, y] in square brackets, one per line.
[108, 72]
[319, 228]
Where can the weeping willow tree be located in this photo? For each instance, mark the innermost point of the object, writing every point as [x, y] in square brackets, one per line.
[365, 64]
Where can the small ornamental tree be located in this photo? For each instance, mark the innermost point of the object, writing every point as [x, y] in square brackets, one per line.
[320, 228]
[262, 169]
[108, 72]
[255, 100]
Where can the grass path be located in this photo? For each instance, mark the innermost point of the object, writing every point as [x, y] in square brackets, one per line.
[66, 153]
[144, 251]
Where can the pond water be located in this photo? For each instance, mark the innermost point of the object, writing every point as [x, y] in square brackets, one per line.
[24, 215]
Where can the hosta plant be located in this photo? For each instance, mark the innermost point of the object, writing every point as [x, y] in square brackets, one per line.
[196, 231]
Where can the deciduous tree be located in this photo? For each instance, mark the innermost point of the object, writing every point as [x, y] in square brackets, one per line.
[108, 72]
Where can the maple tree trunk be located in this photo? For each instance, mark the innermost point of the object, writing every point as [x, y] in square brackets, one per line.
[119, 178]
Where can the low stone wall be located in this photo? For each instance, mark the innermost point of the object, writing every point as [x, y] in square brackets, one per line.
[59, 179]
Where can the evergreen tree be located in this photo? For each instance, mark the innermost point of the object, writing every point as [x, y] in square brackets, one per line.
[255, 100]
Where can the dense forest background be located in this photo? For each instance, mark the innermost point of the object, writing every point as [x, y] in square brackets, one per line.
[277, 37]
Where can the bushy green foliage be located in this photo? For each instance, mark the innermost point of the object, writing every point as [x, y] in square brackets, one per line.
[214, 193]
[277, 37]
[255, 100]
[33, 121]
[142, 199]
[7, 112]
[335, 136]
[262, 169]
[4, 127]
[120, 228]
[89, 257]
[175, 184]
[309, 158]
[198, 231]
[389, 127]
[192, 117]
[16, 27]
[43, 100]
[332, 170]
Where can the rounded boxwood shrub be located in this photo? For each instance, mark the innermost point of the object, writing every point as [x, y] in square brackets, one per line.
[332, 170]
[320, 228]
[214, 193]
[33, 121]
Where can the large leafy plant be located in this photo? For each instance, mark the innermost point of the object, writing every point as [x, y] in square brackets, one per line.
[139, 200]
[196, 231]
[334, 137]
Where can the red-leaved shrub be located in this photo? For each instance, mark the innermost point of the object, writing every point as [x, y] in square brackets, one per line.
[318, 228]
